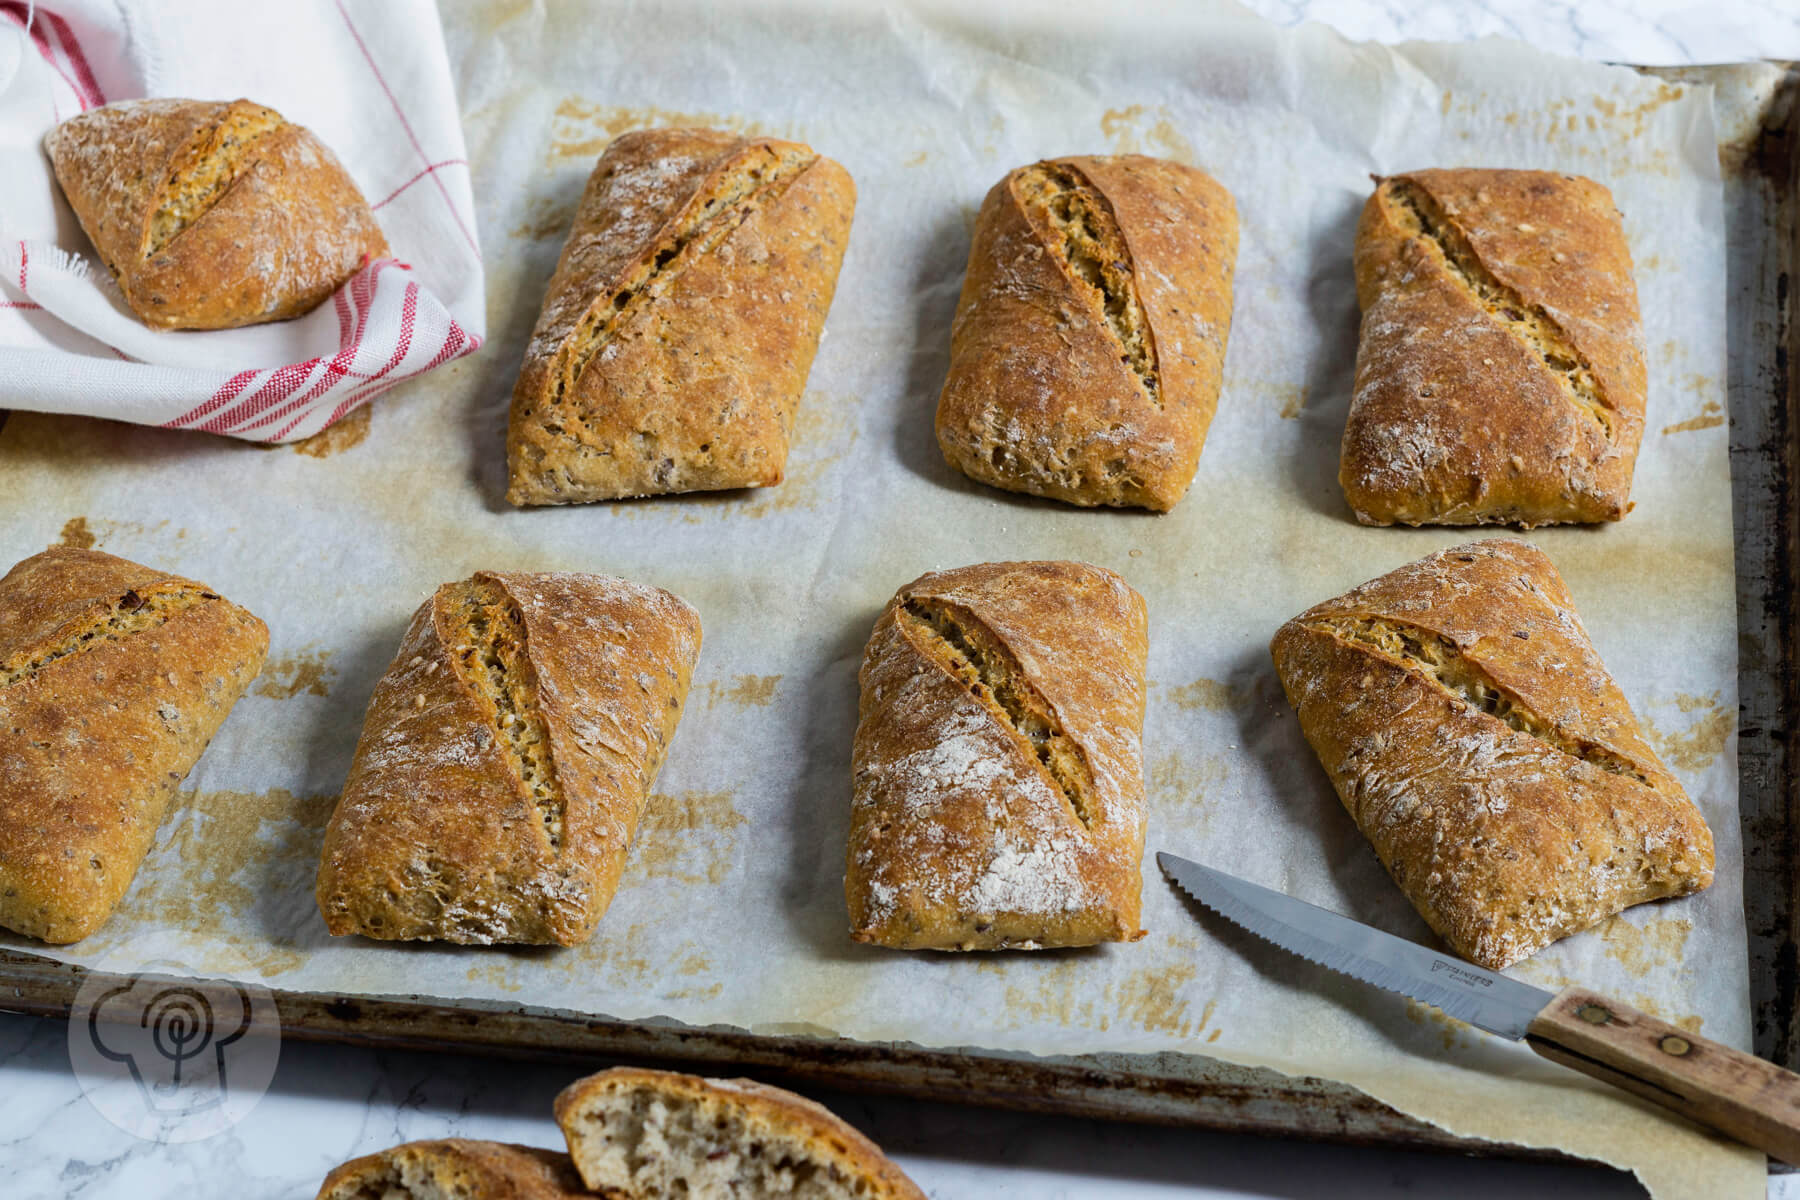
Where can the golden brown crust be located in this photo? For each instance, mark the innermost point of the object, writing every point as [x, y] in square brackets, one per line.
[113, 678]
[453, 824]
[758, 1114]
[1500, 376]
[999, 793]
[1088, 345]
[456, 1169]
[1480, 745]
[679, 328]
[284, 228]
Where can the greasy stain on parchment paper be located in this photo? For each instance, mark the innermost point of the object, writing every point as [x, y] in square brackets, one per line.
[824, 432]
[1559, 119]
[1647, 1003]
[745, 691]
[1454, 1032]
[76, 535]
[497, 972]
[1178, 791]
[287, 676]
[1693, 748]
[633, 957]
[1136, 129]
[347, 432]
[1578, 129]
[1287, 399]
[1208, 694]
[686, 837]
[580, 130]
[82, 534]
[226, 852]
[1711, 416]
[1149, 999]
[1631, 120]
[1657, 945]
[547, 217]
[1173, 777]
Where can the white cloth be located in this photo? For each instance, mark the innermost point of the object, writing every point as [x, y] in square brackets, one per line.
[370, 77]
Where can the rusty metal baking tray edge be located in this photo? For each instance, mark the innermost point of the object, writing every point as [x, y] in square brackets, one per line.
[1758, 107]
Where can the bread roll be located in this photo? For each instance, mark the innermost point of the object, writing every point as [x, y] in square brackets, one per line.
[679, 328]
[639, 1135]
[999, 790]
[1086, 354]
[456, 1169]
[213, 214]
[113, 679]
[1500, 376]
[505, 760]
[1482, 748]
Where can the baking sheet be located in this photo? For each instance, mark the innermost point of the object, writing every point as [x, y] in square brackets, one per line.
[731, 910]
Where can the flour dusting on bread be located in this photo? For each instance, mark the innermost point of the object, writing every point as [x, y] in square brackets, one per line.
[998, 789]
[1480, 745]
[1500, 373]
[506, 759]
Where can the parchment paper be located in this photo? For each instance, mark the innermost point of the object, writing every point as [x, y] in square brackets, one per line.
[731, 911]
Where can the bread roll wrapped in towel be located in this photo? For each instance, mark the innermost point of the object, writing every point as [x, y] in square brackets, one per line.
[1482, 748]
[998, 779]
[113, 679]
[506, 759]
[644, 1135]
[213, 214]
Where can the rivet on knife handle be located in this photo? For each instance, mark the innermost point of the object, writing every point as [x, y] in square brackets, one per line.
[1736, 1093]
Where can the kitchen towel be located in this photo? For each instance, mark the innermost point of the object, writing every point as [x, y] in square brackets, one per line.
[370, 78]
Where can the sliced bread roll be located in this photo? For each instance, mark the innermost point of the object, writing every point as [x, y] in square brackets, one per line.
[636, 1134]
[455, 1169]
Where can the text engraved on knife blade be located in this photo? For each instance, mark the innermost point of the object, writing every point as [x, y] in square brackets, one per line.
[1461, 975]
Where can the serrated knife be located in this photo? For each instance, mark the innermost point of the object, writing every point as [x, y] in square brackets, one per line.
[1735, 1093]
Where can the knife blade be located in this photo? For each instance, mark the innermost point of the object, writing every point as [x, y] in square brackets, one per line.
[1731, 1091]
[1465, 991]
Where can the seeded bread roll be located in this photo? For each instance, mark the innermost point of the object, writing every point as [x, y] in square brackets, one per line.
[999, 790]
[1086, 353]
[113, 679]
[213, 214]
[1482, 748]
[505, 760]
[643, 1135]
[456, 1169]
[1500, 377]
[679, 328]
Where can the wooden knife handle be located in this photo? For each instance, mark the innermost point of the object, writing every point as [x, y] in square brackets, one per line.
[1738, 1094]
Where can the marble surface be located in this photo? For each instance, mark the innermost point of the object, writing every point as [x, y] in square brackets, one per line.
[328, 1103]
